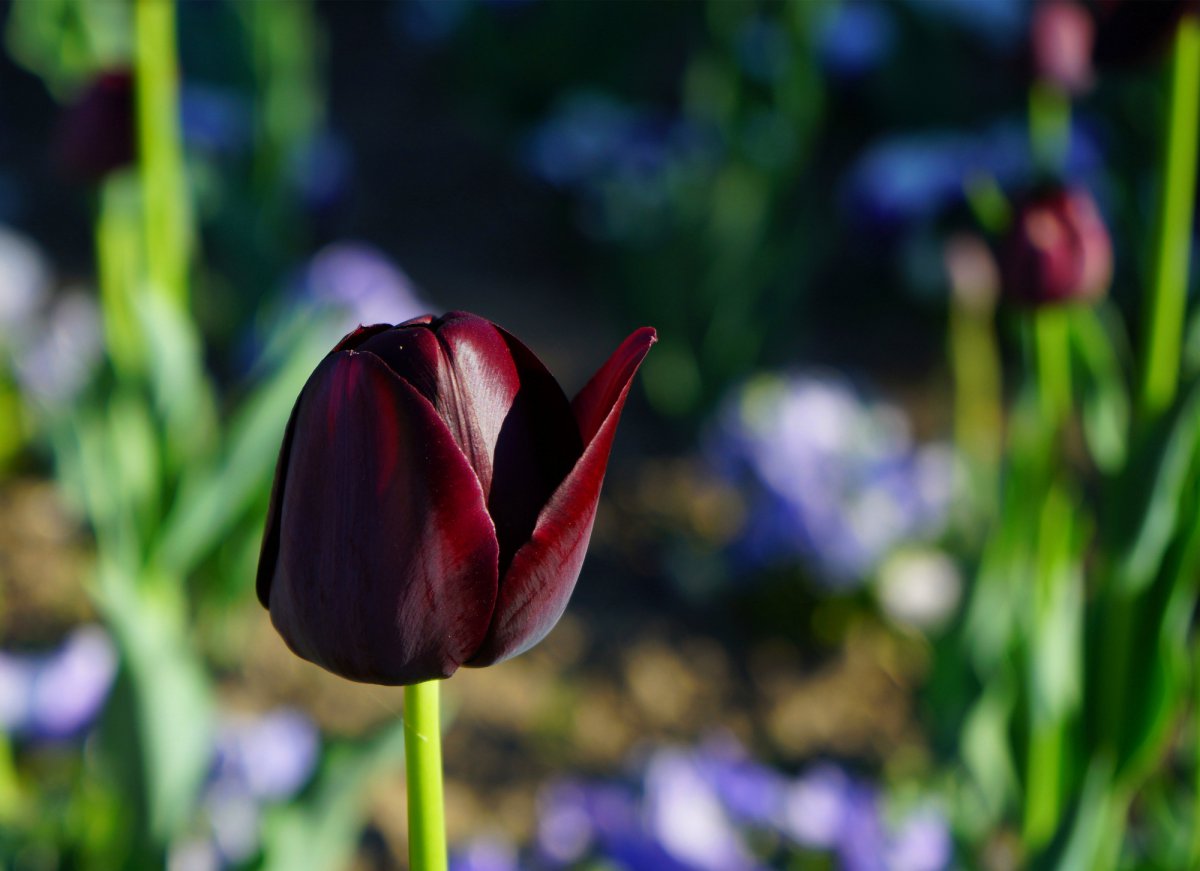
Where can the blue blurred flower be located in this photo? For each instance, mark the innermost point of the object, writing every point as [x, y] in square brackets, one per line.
[697, 809]
[623, 162]
[915, 176]
[1000, 22]
[60, 694]
[830, 479]
[320, 170]
[215, 119]
[854, 38]
[430, 21]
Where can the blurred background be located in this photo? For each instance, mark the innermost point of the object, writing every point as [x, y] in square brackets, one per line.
[846, 597]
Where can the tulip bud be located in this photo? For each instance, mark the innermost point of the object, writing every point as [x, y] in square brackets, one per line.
[96, 135]
[434, 498]
[1061, 36]
[1058, 250]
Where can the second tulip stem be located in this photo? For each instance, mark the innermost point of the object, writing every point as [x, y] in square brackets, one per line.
[423, 761]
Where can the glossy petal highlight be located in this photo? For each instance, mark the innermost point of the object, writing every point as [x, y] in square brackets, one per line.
[387, 559]
[535, 590]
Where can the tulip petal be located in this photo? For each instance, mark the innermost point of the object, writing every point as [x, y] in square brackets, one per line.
[537, 447]
[535, 590]
[600, 395]
[504, 409]
[270, 544]
[387, 559]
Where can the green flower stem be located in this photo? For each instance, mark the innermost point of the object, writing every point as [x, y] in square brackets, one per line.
[1049, 125]
[160, 152]
[978, 415]
[1051, 338]
[118, 259]
[1166, 302]
[423, 758]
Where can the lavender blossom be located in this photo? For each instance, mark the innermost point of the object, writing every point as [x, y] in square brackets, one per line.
[686, 817]
[267, 758]
[485, 854]
[258, 760]
[360, 281]
[827, 810]
[815, 807]
[752, 794]
[24, 283]
[57, 695]
[831, 479]
[57, 358]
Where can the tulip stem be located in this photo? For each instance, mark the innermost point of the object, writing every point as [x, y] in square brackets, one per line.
[423, 759]
[1166, 302]
[160, 151]
[1052, 353]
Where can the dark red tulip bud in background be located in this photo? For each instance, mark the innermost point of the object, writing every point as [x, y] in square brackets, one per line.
[434, 498]
[1136, 31]
[1057, 250]
[1061, 36]
[96, 135]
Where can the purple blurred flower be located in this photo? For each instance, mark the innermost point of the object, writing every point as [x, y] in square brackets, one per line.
[923, 843]
[258, 760]
[827, 810]
[267, 758]
[61, 351]
[751, 793]
[815, 807]
[24, 283]
[566, 828]
[685, 816]
[861, 839]
[485, 854]
[360, 280]
[854, 38]
[831, 479]
[57, 695]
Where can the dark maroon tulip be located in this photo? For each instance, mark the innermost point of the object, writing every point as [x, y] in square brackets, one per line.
[434, 498]
[1060, 40]
[96, 135]
[1058, 250]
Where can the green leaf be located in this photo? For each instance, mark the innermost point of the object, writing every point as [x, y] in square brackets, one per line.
[1104, 393]
[165, 726]
[1144, 516]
